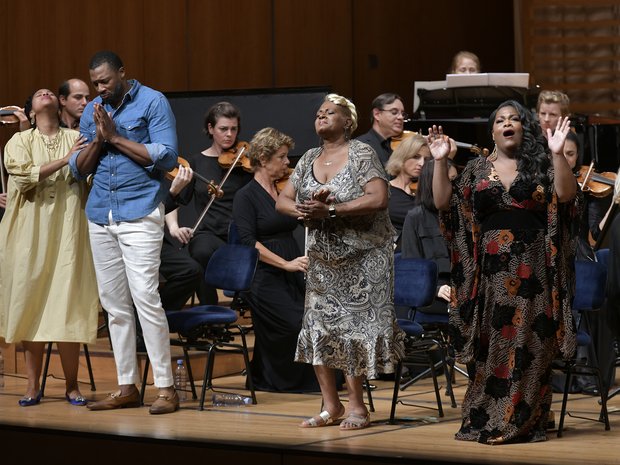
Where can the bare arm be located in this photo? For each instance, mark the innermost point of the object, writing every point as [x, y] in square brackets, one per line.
[564, 180]
[375, 198]
[50, 168]
[267, 256]
[440, 149]
[286, 202]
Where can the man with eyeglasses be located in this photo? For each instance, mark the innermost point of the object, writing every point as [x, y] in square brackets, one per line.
[388, 117]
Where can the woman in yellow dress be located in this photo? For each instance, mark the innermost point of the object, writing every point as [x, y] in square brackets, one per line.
[48, 290]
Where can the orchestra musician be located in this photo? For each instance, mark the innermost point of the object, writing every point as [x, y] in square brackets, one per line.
[465, 62]
[222, 124]
[277, 294]
[405, 165]
[550, 107]
[387, 118]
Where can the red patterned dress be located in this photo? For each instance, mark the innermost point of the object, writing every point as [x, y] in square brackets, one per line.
[512, 255]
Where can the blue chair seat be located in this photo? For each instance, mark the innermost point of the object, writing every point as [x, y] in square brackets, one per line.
[583, 338]
[411, 328]
[184, 321]
[431, 318]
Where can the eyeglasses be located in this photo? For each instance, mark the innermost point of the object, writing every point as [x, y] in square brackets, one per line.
[396, 112]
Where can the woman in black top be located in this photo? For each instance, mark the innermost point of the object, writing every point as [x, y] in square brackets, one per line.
[277, 294]
[405, 165]
[422, 238]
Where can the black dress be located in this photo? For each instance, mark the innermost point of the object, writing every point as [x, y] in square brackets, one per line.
[276, 297]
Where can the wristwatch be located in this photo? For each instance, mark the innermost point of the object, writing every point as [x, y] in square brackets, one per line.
[332, 211]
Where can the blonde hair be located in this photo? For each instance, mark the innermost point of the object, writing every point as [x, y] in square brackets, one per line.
[554, 96]
[267, 142]
[465, 54]
[347, 107]
[407, 149]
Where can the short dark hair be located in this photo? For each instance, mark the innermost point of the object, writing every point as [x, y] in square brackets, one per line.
[382, 100]
[221, 110]
[106, 56]
[64, 89]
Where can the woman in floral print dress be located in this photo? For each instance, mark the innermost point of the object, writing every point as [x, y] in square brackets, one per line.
[507, 222]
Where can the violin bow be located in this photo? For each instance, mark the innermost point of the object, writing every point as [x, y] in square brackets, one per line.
[219, 187]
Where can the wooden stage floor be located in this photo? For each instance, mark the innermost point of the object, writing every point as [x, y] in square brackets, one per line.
[267, 433]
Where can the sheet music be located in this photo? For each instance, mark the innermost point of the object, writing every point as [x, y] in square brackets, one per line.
[521, 80]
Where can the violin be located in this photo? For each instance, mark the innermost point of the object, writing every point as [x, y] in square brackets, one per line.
[228, 157]
[7, 115]
[396, 140]
[212, 188]
[596, 184]
[280, 183]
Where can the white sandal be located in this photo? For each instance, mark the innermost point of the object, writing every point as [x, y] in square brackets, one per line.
[322, 419]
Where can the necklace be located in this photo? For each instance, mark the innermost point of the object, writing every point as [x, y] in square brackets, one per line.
[51, 143]
[324, 152]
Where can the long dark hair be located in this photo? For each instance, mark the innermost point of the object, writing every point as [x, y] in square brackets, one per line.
[424, 192]
[533, 154]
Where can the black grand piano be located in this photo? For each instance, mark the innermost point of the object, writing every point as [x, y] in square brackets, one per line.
[463, 112]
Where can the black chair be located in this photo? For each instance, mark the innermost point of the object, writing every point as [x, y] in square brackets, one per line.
[415, 285]
[47, 365]
[213, 328]
[589, 296]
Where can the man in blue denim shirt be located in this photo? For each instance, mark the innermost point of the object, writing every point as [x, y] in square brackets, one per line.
[132, 142]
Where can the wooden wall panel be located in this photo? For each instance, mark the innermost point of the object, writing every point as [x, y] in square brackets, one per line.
[230, 44]
[397, 43]
[313, 44]
[166, 46]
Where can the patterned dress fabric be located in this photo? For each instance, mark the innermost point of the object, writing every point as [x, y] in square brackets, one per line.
[512, 255]
[349, 321]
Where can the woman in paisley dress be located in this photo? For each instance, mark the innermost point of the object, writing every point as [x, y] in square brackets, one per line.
[340, 191]
[507, 222]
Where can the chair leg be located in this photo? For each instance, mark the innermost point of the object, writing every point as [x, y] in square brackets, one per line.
[144, 378]
[371, 404]
[208, 376]
[190, 374]
[397, 376]
[90, 368]
[569, 373]
[246, 359]
[435, 383]
[448, 375]
[46, 368]
[604, 416]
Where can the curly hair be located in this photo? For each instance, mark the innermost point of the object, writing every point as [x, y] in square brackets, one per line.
[533, 154]
[267, 142]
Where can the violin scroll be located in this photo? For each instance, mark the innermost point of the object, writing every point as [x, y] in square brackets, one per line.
[8, 116]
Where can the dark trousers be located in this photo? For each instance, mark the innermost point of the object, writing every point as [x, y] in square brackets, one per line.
[201, 248]
[182, 276]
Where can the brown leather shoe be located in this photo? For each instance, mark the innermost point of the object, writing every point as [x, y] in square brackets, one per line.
[115, 400]
[165, 404]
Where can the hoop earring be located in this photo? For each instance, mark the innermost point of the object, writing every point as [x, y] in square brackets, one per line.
[493, 155]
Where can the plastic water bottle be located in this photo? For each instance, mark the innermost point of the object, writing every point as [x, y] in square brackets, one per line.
[1, 370]
[230, 400]
[180, 380]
